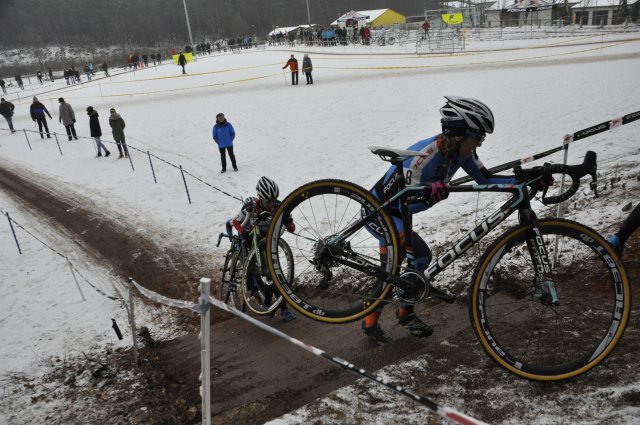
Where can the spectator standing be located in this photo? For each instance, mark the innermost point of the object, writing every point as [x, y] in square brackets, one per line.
[145, 58]
[117, 129]
[66, 76]
[182, 61]
[425, 28]
[223, 135]
[68, 118]
[91, 68]
[87, 72]
[2, 83]
[50, 75]
[153, 58]
[159, 58]
[96, 131]
[39, 76]
[367, 36]
[292, 63]
[307, 67]
[105, 68]
[6, 110]
[19, 81]
[383, 33]
[37, 111]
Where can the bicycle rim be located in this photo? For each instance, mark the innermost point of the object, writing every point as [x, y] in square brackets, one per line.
[233, 295]
[511, 310]
[321, 288]
[258, 290]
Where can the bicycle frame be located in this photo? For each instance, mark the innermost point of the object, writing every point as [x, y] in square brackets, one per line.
[520, 201]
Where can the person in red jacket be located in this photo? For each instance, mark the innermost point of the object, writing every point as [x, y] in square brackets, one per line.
[292, 63]
[425, 28]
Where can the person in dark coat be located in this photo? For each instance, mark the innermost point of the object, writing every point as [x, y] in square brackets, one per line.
[37, 114]
[182, 61]
[96, 131]
[39, 76]
[105, 68]
[6, 110]
[19, 81]
[68, 118]
[50, 75]
[2, 86]
[292, 63]
[117, 129]
[223, 135]
[307, 67]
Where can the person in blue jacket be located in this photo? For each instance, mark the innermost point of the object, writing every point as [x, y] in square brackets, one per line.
[465, 123]
[223, 134]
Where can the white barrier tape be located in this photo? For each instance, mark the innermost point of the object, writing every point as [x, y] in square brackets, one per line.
[161, 299]
[444, 411]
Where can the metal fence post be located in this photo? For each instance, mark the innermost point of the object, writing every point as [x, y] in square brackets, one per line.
[58, 142]
[205, 350]
[75, 278]
[185, 184]
[152, 170]
[27, 137]
[132, 321]
[14, 233]
[130, 160]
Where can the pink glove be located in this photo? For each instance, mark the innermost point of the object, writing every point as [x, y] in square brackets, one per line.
[439, 191]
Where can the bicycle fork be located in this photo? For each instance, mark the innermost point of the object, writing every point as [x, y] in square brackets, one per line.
[544, 283]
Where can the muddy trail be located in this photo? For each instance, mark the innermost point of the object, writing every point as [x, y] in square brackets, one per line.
[249, 386]
[256, 376]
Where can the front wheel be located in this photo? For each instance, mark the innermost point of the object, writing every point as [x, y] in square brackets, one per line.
[516, 319]
[258, 290]
[337, 279]
[229, 291]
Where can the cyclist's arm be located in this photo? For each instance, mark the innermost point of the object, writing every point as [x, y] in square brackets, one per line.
[477, 171]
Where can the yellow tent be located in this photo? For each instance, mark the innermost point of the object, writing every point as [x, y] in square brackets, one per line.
[376, 18]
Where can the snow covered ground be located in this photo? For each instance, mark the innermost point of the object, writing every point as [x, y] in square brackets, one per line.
[293, 134]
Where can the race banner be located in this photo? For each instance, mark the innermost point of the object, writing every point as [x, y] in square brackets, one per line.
[187, 56]
[453, 18]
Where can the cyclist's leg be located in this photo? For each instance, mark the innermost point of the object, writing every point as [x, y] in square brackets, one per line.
[370, 325]
[405, 314]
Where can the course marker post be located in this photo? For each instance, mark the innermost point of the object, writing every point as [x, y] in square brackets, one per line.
[185, 184]
[27, 137]
[205, 349]
[58, 142]
[14, 233]
[152, 170]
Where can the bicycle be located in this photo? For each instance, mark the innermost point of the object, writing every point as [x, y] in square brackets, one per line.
[548, 300]
[245, 282]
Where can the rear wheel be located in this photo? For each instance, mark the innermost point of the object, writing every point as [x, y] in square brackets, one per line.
[515, 318]
[322, 287]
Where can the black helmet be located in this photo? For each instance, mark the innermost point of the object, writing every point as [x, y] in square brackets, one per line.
[461, 114]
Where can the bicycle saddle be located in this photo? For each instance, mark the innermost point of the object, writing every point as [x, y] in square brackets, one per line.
[393, 153]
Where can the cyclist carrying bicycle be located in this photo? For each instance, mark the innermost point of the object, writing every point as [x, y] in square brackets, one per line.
[465, 123]
[258, 211]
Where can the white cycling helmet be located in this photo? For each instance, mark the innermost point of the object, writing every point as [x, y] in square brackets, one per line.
[267, 189]
[461, 114]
